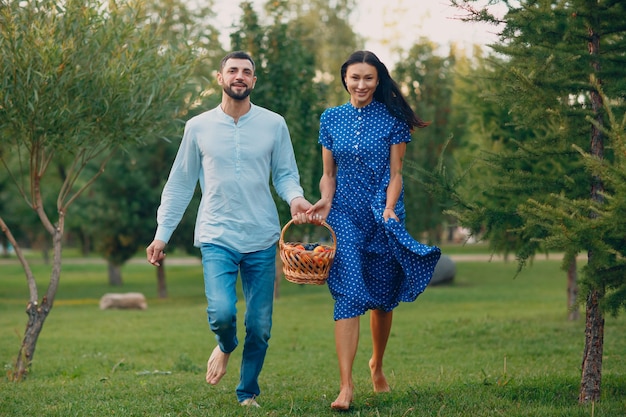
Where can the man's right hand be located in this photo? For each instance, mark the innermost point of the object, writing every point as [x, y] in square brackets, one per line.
[156, 252]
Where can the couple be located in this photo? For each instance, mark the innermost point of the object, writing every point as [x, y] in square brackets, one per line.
[234, 150]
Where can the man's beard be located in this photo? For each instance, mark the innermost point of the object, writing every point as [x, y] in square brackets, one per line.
[237, 96]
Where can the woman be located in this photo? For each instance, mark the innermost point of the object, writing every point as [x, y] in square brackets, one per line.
[377, 263]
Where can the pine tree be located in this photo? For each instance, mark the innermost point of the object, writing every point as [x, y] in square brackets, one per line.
[560, 177]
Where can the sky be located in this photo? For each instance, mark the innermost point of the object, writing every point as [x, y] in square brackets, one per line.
[388, 24]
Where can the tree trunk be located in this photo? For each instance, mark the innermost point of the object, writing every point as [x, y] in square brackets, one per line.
[85, 243]
[573, 313]
[37, 315]
[161, 284]
[592, 358]
[4, 245]
[594, 331]
[115, 275]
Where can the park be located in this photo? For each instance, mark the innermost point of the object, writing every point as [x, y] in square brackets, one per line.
[492, 343]
[525, 150]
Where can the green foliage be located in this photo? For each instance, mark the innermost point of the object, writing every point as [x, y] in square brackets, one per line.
[112, 216]
[488, 345]
[120, 212]
[323, 27]
[427, 80]
[59, 64]
[79, 81]
[596, 227]
[535, 175]
[286, 70]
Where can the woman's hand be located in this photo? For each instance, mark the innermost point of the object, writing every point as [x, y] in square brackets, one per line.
[318, 213]
[389, 213]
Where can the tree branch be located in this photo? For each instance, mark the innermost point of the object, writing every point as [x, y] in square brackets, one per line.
[100, 171]
[30, 278]
[20, 188]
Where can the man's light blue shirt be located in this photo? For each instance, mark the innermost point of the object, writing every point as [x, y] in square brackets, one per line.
[233, 162]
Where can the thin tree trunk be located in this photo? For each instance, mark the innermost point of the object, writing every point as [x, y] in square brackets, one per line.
[37, 315]
[37, 312]
[115, 274]
[85, 243]
[573, 313]
[594, 330]
[592, 358]
[161, 283]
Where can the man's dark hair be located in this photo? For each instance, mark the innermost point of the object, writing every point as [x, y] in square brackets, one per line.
[237, 55]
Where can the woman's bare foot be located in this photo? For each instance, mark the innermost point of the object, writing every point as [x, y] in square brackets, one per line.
[343, 401]
[216, 366]
[378, 378]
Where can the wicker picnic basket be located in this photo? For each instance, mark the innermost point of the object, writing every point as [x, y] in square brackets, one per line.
[302, 266]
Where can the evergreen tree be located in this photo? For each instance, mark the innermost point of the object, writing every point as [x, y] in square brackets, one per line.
[558, 178]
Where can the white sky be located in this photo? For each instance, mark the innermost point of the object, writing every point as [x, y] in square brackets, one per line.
[389, 24]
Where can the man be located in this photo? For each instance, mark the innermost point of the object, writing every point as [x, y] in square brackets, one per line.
[232, 150]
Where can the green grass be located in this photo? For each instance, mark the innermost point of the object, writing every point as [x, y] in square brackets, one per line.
[492, 344]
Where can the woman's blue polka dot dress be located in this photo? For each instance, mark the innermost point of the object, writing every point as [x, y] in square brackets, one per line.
[377, 264]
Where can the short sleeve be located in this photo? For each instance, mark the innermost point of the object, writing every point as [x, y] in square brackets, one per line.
[325, 139]
[399, 132]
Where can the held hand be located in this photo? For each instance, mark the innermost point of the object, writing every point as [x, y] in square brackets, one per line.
[318, 213]
[299, 206]
[156, 252]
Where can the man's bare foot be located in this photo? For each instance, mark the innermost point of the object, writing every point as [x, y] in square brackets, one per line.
[379, 381]
[343, 401]
[216, 366]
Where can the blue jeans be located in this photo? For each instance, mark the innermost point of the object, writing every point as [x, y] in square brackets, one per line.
[221, 267]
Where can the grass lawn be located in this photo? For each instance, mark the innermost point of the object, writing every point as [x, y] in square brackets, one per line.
[491, 344]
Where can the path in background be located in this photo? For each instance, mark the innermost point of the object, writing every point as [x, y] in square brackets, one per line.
[468, 257]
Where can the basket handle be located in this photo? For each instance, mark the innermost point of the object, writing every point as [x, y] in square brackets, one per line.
[326, 225]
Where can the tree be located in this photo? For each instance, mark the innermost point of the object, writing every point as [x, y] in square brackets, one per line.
[286, 72]
[119, 212]
[323, 28]
[118, 222]
[561, 81]
[427, 79]
[490, 126]
[80, 79]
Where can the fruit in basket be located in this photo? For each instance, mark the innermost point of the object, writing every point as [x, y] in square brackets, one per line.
[319, 248]
[300, 247]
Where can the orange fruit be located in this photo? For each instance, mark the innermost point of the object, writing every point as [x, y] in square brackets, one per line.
[319, 249]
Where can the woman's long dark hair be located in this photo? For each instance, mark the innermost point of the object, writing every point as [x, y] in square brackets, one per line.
[387, 91]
